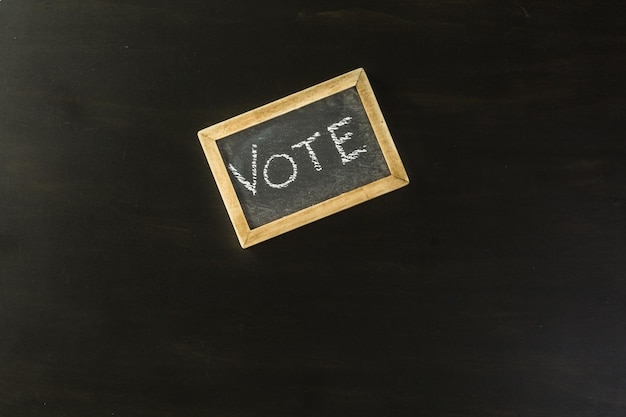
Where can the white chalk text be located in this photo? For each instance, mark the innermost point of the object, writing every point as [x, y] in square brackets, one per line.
[309, 145]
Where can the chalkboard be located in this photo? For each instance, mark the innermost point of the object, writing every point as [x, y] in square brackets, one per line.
[303, 157]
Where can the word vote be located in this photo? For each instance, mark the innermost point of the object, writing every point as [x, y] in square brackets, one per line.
[309, 145]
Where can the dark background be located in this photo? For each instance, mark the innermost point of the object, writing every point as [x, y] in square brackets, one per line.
[493, 285]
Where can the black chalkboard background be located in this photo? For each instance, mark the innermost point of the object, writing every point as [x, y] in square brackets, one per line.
[310, 186]
[494, 285]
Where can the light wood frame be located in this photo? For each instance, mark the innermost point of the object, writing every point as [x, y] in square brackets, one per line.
[248, 237]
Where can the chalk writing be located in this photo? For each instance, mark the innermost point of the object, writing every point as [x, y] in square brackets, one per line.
[345, 157]
[337, 141]
[292, 177]
[307, 143]
[251, 186]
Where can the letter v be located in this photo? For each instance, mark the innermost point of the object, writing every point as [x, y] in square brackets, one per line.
[251, 186]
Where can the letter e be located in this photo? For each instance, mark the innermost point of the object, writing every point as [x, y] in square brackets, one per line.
[339, 141]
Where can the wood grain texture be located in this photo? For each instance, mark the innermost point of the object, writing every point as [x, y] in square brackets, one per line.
[493, 286]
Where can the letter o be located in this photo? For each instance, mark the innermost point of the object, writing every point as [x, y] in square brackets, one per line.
[291, 178]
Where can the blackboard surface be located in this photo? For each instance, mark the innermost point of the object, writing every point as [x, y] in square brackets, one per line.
[303, 157]
[308, 179]
[494, 285]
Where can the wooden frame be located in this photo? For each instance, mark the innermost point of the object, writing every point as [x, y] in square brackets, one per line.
[247, 236]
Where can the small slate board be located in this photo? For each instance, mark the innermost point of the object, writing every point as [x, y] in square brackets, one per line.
[301, 158]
